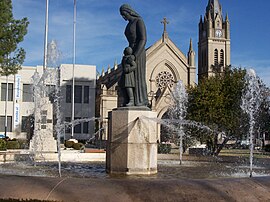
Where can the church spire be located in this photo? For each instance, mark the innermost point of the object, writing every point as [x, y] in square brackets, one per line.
[214, 8]
[227, 17]
[190, 45]
[191, 55]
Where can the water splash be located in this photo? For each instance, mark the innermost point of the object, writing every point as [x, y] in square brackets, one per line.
[251, 101]
[178, 111]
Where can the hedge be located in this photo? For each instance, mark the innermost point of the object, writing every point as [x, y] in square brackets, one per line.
[164, 148]
[3, 145]
[13, 144]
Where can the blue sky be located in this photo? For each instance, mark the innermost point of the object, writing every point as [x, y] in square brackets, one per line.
[100, 39]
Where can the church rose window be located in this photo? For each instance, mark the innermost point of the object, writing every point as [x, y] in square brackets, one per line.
[164, 79]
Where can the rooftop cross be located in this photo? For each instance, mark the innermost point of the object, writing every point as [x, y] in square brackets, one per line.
[165, 22]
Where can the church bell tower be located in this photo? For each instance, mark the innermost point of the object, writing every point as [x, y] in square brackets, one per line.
[214, 46]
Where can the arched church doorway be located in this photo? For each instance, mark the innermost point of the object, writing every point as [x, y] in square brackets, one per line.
[167, 135]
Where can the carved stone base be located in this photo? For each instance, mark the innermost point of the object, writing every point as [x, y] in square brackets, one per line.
[132, 142]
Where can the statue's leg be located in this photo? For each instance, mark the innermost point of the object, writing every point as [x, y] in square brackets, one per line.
[131, 97]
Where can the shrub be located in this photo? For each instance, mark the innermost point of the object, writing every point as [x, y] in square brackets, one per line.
[24, 144]
[13, 144]
[267, 148]
[78, 146]
[69, 144]
[3, 145]
[164, 148]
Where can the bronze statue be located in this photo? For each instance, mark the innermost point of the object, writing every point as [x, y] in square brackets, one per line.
[135, 83]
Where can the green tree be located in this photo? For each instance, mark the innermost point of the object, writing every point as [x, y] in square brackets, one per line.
[215, 102]
[12, 32]
[262, 125]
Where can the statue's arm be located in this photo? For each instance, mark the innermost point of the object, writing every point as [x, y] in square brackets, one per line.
[141, 38]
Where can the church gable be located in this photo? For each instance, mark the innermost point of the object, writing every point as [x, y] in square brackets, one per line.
[162, 47]
[166, 65]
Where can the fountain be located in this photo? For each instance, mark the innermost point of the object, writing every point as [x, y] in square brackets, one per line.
[169, 170]
[179, 110]
[251, 101]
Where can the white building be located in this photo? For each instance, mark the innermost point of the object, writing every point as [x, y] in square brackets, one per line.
[20, 105]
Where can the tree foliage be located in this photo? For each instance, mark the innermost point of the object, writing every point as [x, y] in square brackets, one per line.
[12, 32]
[262, 119]
[215, 102]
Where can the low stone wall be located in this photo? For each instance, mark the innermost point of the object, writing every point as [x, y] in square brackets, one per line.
[70, 155]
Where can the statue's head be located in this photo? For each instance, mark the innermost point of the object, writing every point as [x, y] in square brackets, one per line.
[126, 11]
[128, 51]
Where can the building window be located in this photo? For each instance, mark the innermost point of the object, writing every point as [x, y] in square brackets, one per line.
[28, 93]
[78, 94]
[78, 127]
[4, 90]
[2, 123]
[222, 58]
[216, 57]
[27, 124]
[67, 125]
[86, 94]
[68, 94]
[85, 127]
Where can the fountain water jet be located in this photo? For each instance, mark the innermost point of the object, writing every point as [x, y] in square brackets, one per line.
[251, 101]
[178, 111]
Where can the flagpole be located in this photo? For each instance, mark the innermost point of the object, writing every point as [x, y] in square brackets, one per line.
[73, 69]
[46, 36]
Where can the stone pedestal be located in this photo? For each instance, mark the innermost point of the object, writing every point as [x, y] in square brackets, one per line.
[43, 140]
[132, 142]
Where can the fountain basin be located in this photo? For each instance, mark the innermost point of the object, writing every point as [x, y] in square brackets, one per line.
[134, 189]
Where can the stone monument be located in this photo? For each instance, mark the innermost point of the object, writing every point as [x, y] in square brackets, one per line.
[132, 141]
[43, 140]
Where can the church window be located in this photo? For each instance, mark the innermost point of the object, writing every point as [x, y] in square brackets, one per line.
[204, 60]
[216, 57]
[222, 58]
[164, 79]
